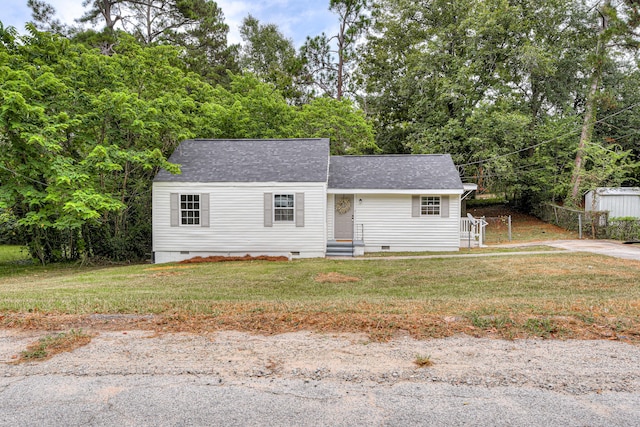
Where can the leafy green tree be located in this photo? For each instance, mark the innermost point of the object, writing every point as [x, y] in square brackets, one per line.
[197, 27]
[250, 108]
[498, 84]
[268, 54]
[43, 16]
[617, 30]
[346, 127]
[82, 135]
[203, 40]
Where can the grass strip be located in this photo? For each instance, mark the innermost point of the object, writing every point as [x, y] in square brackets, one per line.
[50, 345]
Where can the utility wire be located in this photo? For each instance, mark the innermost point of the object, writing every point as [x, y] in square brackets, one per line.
[491, 175]
[23, 176]
[549, 140]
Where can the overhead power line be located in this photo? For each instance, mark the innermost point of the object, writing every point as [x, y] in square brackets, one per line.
[21, 175]
[549, 140]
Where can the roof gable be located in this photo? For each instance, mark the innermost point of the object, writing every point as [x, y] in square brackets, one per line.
[250, 160]
[394, 172]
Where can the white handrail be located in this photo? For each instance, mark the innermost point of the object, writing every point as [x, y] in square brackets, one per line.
[472, 230]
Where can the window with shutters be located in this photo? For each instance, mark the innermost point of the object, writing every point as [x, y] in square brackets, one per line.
[283, 207]
[190, 209]
[430, 205]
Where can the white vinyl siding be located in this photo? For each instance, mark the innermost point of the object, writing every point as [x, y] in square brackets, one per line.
[237, 220]
[387, 220]
[330, 216]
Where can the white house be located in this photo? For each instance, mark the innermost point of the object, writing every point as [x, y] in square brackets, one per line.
[290, 197]
[618, 201]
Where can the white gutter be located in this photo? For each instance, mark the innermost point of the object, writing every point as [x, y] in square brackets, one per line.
[468, 189]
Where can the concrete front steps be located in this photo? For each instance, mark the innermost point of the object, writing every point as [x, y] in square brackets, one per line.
[345, 248]
[335, 248]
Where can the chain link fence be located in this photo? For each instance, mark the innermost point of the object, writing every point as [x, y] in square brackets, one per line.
[591, 224]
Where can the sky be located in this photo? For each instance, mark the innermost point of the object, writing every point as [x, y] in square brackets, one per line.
[296, 19]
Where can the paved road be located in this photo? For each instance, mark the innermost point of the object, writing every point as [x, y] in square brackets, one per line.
[184, 400]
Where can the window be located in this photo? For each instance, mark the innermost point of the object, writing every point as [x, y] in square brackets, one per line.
[283, 205]
[190, 209]
[430, 205]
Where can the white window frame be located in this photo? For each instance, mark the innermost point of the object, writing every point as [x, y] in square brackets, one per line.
[279, 209]
[430, 205]
[196, 211]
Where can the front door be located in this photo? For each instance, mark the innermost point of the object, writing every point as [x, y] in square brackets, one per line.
[343, 214]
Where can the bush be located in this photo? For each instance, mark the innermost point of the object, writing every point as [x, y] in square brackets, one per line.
[624, 228]
[486, 202]
[8, 230]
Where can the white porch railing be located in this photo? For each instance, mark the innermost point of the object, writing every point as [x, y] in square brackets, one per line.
[472, 231]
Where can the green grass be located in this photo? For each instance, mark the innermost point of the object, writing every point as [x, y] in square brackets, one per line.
[12, 254]
[423, 361]
[451, 286]
[51, 345]
[549, 295]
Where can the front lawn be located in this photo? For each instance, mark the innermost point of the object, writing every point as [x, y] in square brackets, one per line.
[549, 295]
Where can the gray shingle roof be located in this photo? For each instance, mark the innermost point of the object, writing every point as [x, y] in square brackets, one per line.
[249, 160]
[394, 172]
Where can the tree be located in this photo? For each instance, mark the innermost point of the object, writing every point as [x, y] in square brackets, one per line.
[195, 26]
[43, 15]
[251, 108]
[107, 11]
[332, 74]
[82, 135]
[616, 26]
[203, 39]
[346, 127]
[495, 83]
[267, 53]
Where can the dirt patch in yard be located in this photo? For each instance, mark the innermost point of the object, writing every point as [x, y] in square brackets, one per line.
[334, 277]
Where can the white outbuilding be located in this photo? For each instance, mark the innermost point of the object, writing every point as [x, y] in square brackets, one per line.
[618, 201]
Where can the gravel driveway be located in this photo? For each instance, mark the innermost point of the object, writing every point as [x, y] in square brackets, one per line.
[304, 378]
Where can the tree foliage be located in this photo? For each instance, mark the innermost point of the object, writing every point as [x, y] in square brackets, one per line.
[82, 135]
[516, 91]
[268, 54]
[329, 60]
[501, 85]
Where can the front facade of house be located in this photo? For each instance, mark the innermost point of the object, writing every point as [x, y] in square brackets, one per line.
[289, 197]
[399, 202]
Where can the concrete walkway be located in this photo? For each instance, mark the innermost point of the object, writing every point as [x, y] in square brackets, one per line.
[601, 247]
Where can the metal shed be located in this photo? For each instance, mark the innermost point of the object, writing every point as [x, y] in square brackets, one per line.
[618, 201]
